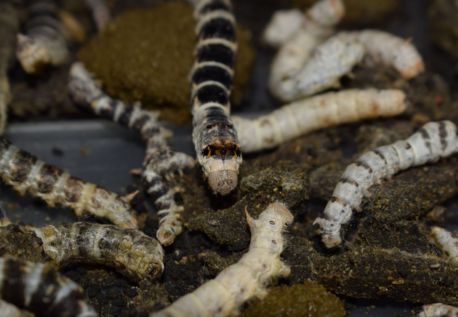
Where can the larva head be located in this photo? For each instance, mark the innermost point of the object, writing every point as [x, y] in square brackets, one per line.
[221, 162]
[330, 232]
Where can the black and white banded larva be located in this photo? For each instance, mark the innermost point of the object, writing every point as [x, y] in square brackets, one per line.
[160, 161]
[433, 141]
[246, 279]
[40, 289]
[214, 136]
[44, 42]
[25, 173]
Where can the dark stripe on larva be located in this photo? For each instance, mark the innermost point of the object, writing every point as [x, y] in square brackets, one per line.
[211, 72]
[426, 138]
[216, 52]
[212, 93]
[216, 5]
[21, 165]
[218, 28]
[83, 239]
[349, 181]
[124, 118]
[380, 154]
[215, 114]
[48, 177]
[13, 283]
[443, 135]
[364, 165]
[46, 291]
[70, 303]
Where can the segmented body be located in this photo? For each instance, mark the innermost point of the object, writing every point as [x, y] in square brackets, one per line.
[160, 161]
[43, 42]
[25, 173]
[315, 113]
[433, 141]
[214, 136]
[439, 310]
[9, 25]
[245, 279]
[447, 242]
[38, 288]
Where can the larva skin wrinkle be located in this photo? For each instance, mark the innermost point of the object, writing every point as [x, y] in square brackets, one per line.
[44, 42]
[214, 136]
[27, 174]
[247, 278]
[160, 161]
[446, 242]
[40, 289]
[433, 141]
[129, 251]
[304, 116]
[439, 310]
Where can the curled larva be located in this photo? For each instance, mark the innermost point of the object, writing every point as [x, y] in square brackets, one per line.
[433, 141]
[315, 113]
[100, 12]
[439, 310]
[160, 161]
[245, 279]
[214, 136]
[43, 42]
[38, 288]
[446, 242]
[25, 173]
[9, 310]
[129, 251]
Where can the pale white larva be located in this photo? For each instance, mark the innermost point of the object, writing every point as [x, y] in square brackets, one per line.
[446, 242]
[315, 113]
[433, 141]
[439, 310]
[245, 279]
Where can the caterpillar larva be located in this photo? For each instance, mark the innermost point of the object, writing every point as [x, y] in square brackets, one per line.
[100, 12]
[160, 161]
[446, 242]
[214, 136]
[439, 310]
[38, 288]
[9, 25]
[44, 42]
[433, 141]
[25, 173]
[9, 310]
[245, 279]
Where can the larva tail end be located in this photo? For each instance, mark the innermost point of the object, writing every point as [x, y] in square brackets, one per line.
[223, 182]
[166, 235]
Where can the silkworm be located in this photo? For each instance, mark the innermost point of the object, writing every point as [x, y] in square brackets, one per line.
[38, 288]
[433, 141]
[160, 161]
[25, 173]
[245, 279]
[214, 136]
[9, 310]
[446, 242]
[43, 42]
[129, 251]
[315, 113]
[100, 12]
[439, 310]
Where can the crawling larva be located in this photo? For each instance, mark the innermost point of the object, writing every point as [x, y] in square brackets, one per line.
[38, 288]
[9, 310]
[446, 242]
[43, 42]
[214, 136]
[433, 141]
[9, 25]
[246, 279]
[100, 12]
[129, 251]
[439, 310]
[315, 113]
[160, 161]
[25, 173]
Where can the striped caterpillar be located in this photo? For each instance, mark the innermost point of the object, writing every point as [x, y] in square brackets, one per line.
[439, 310]
[38, 288]
[129, 251]
[44, 42]
[245, 279]
[214, 136]
[100, 12]
[9, 25]
[317, 112]
[160, 161]
[447, 243]
[25, 173]
[433, 141]
[9, 310]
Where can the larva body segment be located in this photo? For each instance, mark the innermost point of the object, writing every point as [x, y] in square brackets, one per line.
[9, 310]
[38, 288]
[100, 12]
[439, 310]
[25, 173]
[446, 242]
[247, 278]
[43, 42]
[129, 251]
[214, 136]
[315, 113]
[283, 25]
[160, 161]
[381, 163]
